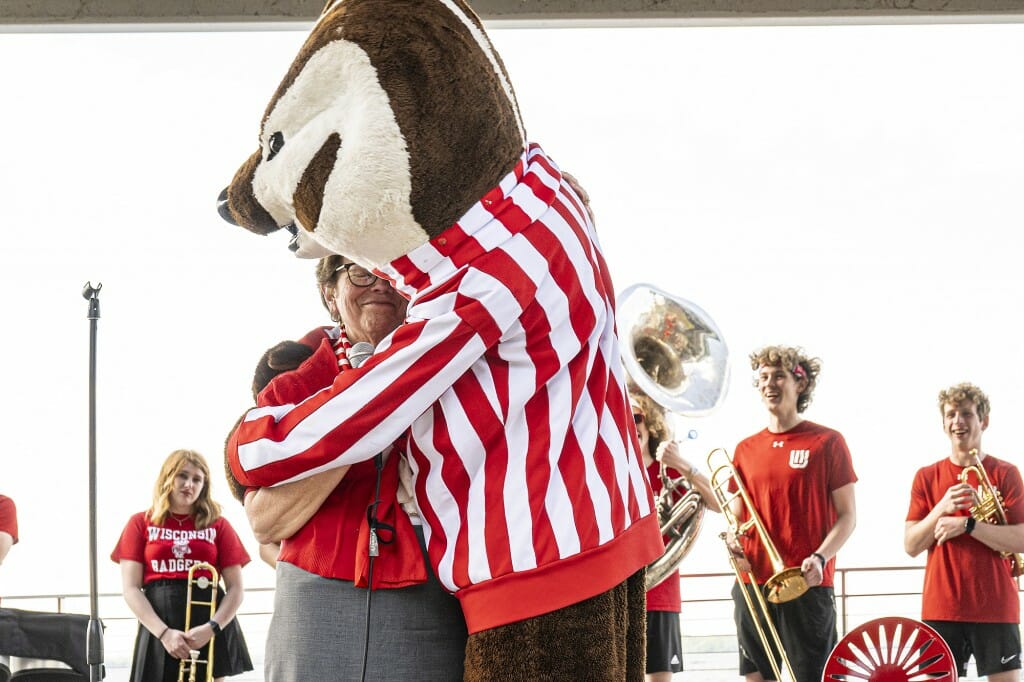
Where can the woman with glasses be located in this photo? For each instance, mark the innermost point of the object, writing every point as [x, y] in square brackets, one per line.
[415, 628]
[664, 600]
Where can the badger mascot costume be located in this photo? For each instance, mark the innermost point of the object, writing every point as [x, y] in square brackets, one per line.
[395, 139]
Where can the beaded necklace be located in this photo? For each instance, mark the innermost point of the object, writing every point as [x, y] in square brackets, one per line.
[341, 348]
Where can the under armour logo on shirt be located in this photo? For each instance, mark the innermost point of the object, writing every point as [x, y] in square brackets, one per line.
[778, 443]
[798, 459]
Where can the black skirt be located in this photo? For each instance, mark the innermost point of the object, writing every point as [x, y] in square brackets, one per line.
[152, 663]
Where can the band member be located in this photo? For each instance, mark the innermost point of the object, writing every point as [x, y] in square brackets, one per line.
[8, 538]
[800, 479]
[320, 620]
[970, 594]
[664, 639]
[8, 526]
[156, 549]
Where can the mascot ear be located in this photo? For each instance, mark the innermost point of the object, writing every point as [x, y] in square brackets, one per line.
[241, 208]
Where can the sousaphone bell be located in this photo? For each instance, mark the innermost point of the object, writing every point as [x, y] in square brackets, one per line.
[674, 353]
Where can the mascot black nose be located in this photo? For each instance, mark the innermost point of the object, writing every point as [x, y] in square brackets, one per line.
[222, 207]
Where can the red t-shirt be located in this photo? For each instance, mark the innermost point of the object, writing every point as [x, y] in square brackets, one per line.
[8, 517]
[790, 478]
[666, 595]
[168, 551]
[965, 580]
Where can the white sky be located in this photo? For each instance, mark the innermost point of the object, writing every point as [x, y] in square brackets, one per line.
[855, 190]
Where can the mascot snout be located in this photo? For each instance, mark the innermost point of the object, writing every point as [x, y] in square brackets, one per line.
[242, 208]
[223, 209]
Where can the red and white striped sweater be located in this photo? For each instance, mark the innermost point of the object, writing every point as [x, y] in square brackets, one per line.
[506, 390]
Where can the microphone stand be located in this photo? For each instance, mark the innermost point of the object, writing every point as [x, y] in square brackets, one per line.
[94, 632]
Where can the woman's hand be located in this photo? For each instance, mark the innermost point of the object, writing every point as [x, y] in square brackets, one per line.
[175, 643]
[199, 636]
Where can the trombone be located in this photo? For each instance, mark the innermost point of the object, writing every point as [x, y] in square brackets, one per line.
[203, 582]
[989, 506]
[784, 585]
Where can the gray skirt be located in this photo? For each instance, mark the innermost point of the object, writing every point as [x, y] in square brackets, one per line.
[319, 624]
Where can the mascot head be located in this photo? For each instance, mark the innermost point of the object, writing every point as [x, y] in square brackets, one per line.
[394, 119]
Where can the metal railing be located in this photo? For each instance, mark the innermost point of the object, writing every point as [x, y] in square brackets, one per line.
[862, 593]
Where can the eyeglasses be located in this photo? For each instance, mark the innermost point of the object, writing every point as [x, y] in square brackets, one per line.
[638, 418]
[357, 274]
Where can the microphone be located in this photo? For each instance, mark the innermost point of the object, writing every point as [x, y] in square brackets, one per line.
[358, 353]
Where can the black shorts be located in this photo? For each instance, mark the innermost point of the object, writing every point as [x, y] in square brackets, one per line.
[664, 642]
[995, 646]
[806, 626]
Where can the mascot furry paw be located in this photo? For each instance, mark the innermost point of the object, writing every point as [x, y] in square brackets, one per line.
[395, 139]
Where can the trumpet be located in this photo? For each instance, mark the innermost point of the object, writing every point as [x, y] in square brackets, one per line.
[989, 507]
[203, 582]
[784, 585]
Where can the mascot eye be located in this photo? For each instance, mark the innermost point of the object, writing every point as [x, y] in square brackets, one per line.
[276, 144]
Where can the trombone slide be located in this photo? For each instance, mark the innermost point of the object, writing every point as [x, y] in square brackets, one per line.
[762, 619]
[191, 602]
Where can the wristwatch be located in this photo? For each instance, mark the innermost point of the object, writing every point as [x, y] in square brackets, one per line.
[969, 524]
[215, 626]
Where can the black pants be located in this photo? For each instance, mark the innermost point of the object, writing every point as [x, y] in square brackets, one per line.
[806, 626]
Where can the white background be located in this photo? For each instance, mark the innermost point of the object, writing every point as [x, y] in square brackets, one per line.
[854, 190]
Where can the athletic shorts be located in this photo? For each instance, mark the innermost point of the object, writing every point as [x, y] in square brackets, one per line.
[995, 646]
[806, 626]
[664, 642]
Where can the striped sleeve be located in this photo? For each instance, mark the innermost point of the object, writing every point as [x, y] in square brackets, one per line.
[343, 423]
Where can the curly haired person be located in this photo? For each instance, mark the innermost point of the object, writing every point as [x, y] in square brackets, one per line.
[800, 479]
[970, 593]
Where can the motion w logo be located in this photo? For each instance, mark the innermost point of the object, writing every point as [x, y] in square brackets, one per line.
[798, 459]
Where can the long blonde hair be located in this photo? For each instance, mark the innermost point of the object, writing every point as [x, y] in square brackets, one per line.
[205, 511]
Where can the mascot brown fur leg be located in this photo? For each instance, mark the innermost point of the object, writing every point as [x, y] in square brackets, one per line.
[602, 638]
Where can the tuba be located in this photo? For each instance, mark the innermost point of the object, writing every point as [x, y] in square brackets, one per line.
[989, 507]
[673, 353]
[192, 664]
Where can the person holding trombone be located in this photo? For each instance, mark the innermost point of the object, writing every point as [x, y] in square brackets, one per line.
[797, 479]
[157, 547]
[970, 592]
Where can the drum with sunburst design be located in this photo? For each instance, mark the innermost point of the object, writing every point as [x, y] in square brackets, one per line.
[891, 649]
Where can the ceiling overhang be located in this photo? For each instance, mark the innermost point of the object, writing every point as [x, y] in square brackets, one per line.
[142, 15]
